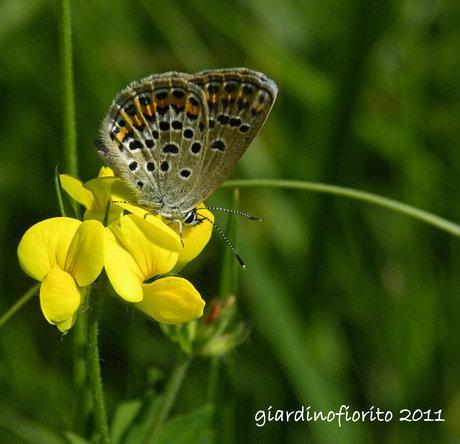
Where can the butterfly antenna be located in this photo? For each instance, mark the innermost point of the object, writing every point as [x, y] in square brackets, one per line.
[227, 241]
[240, 213]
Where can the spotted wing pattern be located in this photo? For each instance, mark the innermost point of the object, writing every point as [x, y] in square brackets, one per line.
[239, 101]
[153, 138]
[174, 137]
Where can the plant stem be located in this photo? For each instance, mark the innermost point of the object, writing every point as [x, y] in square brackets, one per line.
[213, 379]
[172, 388]
[57, 187]
[70, 133]
[79, 368]
[70, 166]
[408, 210]
[79, 365]
[94, 375]
[19, 303]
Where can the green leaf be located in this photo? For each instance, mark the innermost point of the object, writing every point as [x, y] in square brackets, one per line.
[124, 416]
[190, 428]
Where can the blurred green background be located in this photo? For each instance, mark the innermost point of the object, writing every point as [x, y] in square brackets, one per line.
[346, 303]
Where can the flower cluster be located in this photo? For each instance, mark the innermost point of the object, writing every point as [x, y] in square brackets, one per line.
[138, 251]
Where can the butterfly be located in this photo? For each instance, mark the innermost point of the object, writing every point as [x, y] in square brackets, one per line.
[174, 138]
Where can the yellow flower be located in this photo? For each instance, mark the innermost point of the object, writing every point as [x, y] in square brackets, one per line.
[94, 195]
[171, 300]
[194, 237]
[105, 172]
[141, 246]
[138, 249]
[66, 255]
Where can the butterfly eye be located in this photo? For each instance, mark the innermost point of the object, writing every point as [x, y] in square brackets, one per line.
[190, 217]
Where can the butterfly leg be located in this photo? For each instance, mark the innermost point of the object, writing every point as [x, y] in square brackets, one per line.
[180, 231]
[179, 223]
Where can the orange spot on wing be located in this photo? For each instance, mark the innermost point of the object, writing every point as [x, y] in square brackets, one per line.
[138, 120]
[137, 103]
[192, 109]
[121, 134]
[213, 98]
[149, 110]
[177, 102]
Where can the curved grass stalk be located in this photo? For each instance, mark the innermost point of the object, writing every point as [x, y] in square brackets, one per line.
[364, 196]
[19, 304]
[172, 388]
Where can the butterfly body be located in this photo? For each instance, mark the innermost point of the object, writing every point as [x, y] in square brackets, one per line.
[174, 138]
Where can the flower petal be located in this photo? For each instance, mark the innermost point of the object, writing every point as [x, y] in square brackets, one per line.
[105, 171]
[194, 237]
[125, 198]
[171, 300]
[124, 274]
[77, 191]
[85, 258]
[101, 188]
[152, 244]
[60, 299]
[45, 245]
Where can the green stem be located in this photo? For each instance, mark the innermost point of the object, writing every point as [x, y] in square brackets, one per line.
[57, 187]
[19, 303]
[213, 382]
[172, 388]
[94, 375]
[408, 210]
[70, 133]
[79, 364]
[79, 368]
[70, 166]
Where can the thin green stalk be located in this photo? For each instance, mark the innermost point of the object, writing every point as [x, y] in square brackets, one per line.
[172, 388]
[213, 382]
[408, 210]
[57, 187]
[19, 303]
[94, 375]
[70, 133]
[79, 365]
[70, 165]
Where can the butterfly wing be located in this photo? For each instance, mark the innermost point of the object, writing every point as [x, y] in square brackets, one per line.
[238, 101]
[174, 137]
[153, 138]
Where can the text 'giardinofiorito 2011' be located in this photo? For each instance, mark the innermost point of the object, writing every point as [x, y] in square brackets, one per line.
[346, 414]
